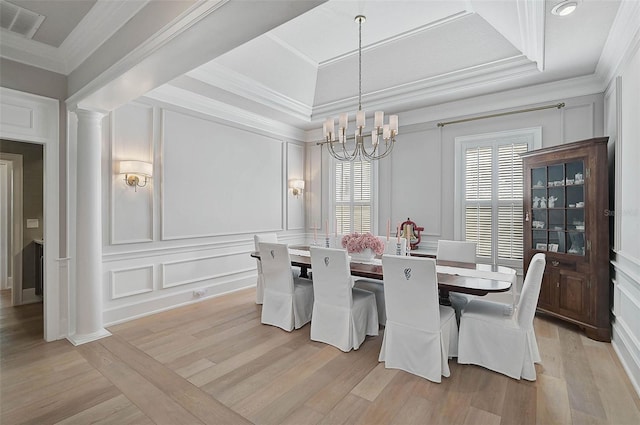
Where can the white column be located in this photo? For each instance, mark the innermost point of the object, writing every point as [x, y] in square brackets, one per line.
[88, 230]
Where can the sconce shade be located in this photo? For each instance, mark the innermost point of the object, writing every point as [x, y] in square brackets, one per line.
[140, 168]
[297, 184]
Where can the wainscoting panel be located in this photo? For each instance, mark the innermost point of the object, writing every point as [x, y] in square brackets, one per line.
[193, 270]
[132, 281]
[131, 209]
[295, 171]
[218, 180]
[626, 309]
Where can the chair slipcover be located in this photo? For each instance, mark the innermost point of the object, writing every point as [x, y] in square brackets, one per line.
[504, 344]
[269, 238]
[342, 315]
[288, 300]
[377, 286]
[420, 335]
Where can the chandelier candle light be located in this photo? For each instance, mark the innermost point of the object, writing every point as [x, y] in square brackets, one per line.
[382, 134]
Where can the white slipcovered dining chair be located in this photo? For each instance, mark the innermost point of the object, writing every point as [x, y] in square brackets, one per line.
[342, 315]
[500, 342]
[268, 238]
[377, 286]
[288, 300]
[420, 335]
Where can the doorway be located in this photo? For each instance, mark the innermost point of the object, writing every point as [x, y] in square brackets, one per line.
[22, 215]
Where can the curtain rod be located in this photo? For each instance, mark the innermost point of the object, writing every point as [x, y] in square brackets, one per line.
[557, 106]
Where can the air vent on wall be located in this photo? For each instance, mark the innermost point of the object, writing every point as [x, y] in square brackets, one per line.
[19, 20]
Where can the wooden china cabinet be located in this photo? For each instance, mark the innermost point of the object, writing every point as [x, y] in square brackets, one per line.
[565, 216]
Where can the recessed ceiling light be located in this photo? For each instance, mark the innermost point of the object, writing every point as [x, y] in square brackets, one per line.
[564, 8]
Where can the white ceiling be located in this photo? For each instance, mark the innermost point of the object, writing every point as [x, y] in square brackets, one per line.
[415, 53]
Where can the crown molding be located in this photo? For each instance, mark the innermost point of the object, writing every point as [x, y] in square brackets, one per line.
[102, 21]
[531, 16]
[446, 85]
[292, 49]
[219, 76]
[623, 36]
[235, 116]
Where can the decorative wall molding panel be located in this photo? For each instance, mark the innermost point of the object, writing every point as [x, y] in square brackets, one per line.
[295, 171]
[183, 272]
[131, 209]
[626, 326]
[131, 281]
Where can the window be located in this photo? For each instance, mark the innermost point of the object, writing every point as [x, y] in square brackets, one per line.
[490, 193]
[352, 200]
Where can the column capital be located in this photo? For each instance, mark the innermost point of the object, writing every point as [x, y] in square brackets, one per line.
[89, 114]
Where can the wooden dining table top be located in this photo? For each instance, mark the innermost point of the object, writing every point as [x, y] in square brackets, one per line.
[452, 282]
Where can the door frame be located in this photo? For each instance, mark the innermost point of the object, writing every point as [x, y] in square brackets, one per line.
[36, 119]
[16, 223]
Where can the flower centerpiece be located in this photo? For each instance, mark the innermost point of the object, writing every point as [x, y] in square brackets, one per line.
[363, 246]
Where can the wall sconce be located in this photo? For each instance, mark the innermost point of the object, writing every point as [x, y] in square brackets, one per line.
[297, 186]
[133, 172]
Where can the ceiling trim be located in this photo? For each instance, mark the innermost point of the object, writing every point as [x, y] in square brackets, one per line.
[531, 14]
[222, 77]
[238, 117]
[292, 49]
[624, 33]
[445, 85]
[102, 21]
[397, 37]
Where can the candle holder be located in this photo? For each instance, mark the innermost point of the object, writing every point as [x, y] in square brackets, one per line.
[326, 242]
[398, 249]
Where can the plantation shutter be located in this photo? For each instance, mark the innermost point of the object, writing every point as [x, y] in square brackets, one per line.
[353, 200]
[493, 182]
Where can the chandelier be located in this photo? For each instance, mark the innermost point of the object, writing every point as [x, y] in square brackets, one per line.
[344, 147]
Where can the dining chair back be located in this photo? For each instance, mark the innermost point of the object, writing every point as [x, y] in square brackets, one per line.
[342, 315]
[377, 286]
[501, 342]
[269, 238]
[288, 300]
[463, 251]
[420, 334]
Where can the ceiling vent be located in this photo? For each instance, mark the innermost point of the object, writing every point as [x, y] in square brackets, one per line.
[19, 20]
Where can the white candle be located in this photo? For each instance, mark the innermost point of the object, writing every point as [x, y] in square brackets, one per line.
[335, 227]
[326, 228]
[360, 119]
[398, 232]
[393, 123]
[344, 121]
[378, 118]
[388, 228]
[315, 232]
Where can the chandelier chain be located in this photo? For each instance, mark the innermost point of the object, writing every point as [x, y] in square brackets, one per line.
[359, 64]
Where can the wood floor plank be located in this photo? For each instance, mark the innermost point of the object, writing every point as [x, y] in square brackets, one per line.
[617, 402]
[520, 403]
[550, 351]
[152, 401]
[304, 415]
[583, 392]
[347, 411]
[373, 384]
[388, 404]
[481, 417]
[492, 389]
[414, 412]
[552, 401]
[197, 402]
[116, 411]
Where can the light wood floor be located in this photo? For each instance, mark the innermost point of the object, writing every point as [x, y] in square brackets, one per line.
[214, 363]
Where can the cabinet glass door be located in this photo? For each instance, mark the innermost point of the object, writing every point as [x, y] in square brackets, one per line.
[557, 202]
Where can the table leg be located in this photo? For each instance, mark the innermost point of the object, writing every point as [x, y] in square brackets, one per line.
[444, 297]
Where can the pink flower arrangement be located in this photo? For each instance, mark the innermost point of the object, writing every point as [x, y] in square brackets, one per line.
[358, 242]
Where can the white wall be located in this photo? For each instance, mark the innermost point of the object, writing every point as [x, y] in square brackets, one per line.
[623, 109]
[215, 184]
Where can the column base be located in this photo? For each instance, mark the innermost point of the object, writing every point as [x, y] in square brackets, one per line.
[79, 339]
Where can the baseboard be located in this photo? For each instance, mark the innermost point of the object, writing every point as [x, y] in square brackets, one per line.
[631, 364]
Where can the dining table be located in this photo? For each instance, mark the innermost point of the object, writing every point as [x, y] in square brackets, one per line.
[453, 276]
